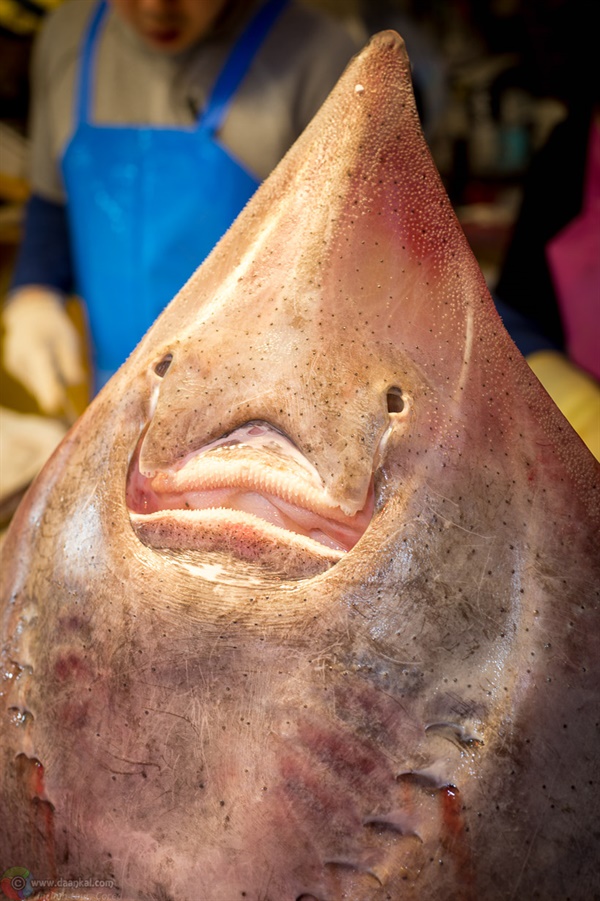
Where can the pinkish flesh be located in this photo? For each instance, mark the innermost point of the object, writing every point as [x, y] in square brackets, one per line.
[254, 471]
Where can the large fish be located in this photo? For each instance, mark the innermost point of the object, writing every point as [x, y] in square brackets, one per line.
[305, 606]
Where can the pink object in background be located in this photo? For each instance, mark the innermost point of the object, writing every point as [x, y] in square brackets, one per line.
[574, 260]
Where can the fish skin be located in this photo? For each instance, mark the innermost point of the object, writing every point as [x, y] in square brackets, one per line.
[418, 721]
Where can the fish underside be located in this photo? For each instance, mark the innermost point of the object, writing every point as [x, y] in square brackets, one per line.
[305, 606]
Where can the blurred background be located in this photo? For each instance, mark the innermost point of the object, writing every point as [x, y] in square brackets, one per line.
[492, 79]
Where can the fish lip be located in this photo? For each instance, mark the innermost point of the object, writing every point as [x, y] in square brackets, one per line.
[243, 537]
[250, 502]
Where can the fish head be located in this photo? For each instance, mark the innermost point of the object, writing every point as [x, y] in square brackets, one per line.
[302, 606]
[339, 315]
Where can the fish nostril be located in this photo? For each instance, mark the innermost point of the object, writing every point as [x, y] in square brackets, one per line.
[395, 400]
[162, 366]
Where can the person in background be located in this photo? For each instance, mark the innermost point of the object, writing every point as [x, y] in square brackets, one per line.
[548, 291]
[153, 123]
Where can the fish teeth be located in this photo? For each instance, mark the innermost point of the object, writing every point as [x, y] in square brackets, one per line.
[208, 474]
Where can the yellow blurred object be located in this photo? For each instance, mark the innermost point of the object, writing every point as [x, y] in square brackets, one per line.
[26, 436]
[24, 18]
[80, 395]
[13, 189]
[575, 393]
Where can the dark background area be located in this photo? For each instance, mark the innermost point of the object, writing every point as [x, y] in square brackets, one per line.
[492, 78]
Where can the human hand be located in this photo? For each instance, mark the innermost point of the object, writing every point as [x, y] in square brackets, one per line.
[42, 348]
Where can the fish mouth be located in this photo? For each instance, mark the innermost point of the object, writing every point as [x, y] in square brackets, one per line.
[251, 494]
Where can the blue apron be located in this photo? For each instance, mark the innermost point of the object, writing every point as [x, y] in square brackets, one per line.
[146, 205]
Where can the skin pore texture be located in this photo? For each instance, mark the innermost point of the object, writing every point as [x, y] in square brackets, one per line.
[305, 607]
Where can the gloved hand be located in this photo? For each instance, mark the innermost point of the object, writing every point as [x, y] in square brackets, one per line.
[42, 348]
[575, 393]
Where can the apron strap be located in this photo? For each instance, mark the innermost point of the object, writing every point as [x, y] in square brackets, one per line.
[237, 64]
[84, 88]
[228, 81]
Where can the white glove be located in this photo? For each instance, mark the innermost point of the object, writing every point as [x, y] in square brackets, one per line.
[42, 348]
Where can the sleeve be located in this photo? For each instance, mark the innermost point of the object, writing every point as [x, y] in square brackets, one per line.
[552, 196]
[44, 168]
[526, 335]
[44, 257]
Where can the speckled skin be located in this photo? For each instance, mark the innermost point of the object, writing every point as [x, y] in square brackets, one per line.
[419, 720]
